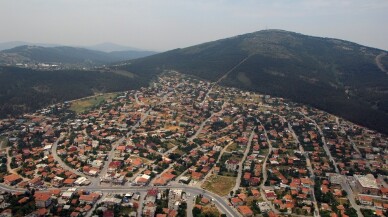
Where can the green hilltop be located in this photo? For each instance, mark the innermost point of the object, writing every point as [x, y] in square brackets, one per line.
[337, 76]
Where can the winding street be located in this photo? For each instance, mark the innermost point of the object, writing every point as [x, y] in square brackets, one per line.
[59, 160]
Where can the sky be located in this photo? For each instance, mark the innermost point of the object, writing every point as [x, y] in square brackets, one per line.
[162, 25]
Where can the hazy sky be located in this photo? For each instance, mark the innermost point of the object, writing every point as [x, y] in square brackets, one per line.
[167, 24]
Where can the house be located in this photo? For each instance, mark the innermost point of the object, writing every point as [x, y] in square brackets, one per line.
[245, 211]
[149, 210]
[36, 182]
[204, 201]
[69, 182]
[365, 200]
[42, 212]
[254, 181]
[235, 201]
[6, 213]
[231, 165]
[270, 195]
[12, 179]
[367, 184]
[89, 199]
[196, 175]
[108, 213]
[384, 192]
[306, 182]
[42, 200]
[137, 162]
[255, 193]
[57, 181]
[142, 179]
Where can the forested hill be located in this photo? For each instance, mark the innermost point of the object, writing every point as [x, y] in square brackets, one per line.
[66, 55]
[338, 76]
[25, 90]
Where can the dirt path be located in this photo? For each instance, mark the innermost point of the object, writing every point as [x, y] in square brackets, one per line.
[224, 76]
[379, 64]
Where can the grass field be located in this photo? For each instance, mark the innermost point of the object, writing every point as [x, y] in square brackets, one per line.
[244, 79]
[83, 105]
[3, 142]
[221, 185]
[124, 73]
[170, 146]
[144, 160]
[231, 147]
[210, 211]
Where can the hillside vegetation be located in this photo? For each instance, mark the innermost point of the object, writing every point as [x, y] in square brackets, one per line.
[340, 77]
[25, 90]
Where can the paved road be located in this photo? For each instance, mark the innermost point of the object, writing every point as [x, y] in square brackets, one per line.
[344, 183]
[219, 201]
[309, 167]
[130, 132]
[240, 164]
[325, 147]
[200, 129]
[121, 140]
[59, 160]
[264, 171]
[212, 169]
[351, 141]
[350, 195]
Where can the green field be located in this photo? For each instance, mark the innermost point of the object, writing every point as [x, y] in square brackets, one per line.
[221, 185]
[232, 147]
[3, 142]
[82, 105]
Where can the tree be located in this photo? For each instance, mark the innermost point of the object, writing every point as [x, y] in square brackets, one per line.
[196, 212]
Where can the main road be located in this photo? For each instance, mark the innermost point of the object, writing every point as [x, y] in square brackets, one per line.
[219, 201]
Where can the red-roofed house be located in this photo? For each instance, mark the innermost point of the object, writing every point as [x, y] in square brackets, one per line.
[12, 179]
[245, 211]
[42, 199]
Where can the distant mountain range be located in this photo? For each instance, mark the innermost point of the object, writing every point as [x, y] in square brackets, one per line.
[105, 47]
[341, 77]
[109, 47]
[13, 44]
[66, 55]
